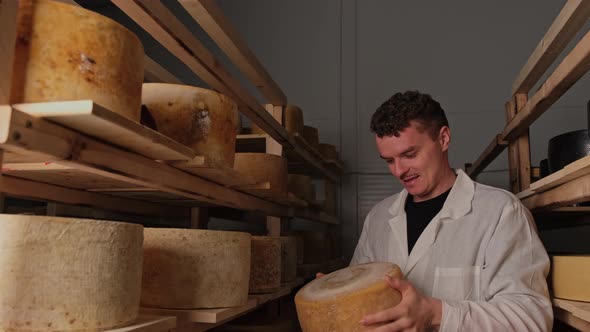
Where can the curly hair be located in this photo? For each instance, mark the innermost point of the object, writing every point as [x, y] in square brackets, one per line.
[395, 114]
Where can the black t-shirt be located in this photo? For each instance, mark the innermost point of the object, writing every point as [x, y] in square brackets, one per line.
[420, 214]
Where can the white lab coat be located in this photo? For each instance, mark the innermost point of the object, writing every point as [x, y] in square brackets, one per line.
[480, 255]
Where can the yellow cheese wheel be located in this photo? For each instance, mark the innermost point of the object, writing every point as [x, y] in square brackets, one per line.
[262, 167]
[65, 52]
[292, 121]
[202, 119]
[193, 268]
[288, 258]
[265, 271]
[67, 274]
[570, 277]
[339, 300]
[301, 186]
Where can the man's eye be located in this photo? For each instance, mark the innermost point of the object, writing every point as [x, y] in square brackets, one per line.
[411, 155]
[389, 161]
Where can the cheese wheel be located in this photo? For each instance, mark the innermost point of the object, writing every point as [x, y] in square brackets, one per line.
[570, 276]
[193, 268]
[301, 186]
[292, 121]
[68, 274]
[265, 271]
[65, 52]
[311, 135]
[202, 119]
[288, 258]
[339, 300]
[262, 167]
[328, 151]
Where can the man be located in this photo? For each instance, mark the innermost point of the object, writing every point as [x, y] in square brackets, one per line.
[470, 253]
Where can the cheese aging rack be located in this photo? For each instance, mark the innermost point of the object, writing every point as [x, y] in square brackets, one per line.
[80, 153]
[554, 194]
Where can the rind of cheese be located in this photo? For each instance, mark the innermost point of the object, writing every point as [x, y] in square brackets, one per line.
[262, 167]
[265, 272]
[66, 52]
[288, 258]
[193, 268]
[202, 119]
[339, 300]
[67, 274]
[570, 276]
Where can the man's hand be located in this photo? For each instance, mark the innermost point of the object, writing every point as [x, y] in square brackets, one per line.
[415, 312]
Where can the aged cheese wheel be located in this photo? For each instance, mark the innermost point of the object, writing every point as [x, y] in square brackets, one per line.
[292, 121]
[570, 277]
[65, 52]
[262, 167]
[288, 258]
[311, 135]
[328, 151]
[301, 186]
[202, 119]
[265, 271]
[339, 300]
[67, 274]
[192, 268]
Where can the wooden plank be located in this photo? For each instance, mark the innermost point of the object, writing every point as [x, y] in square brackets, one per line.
[496, 146]
[577, 308]
[513, 154]
[94, 120]
[149, 323]
[524, 150]
[563, 195]
[223, 175]
[315, 216]
[569, 21]
[211, 18]
[573, 66]
[202, 315]
[52, 193]
[165, 27]
[265, 298]
[8, 18]
[570, 172]
[157, 74]
[571, 320]
[199, 218]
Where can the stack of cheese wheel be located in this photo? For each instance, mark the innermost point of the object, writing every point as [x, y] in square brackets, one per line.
[292, 121]
[65, 52]
[202, 119]
[570, 276]
[192, 268]
[66, 274]
[265, 271]
[288, 258]
[301, 186]
[262, 167]
[328, 151]
[311, 135]
[339, 300]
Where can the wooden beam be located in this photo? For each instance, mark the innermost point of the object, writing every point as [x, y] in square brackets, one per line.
[496, 146]
[573, 66]
[211, 18]
[199, 218]
[513, 154]
[524, 150]
[156, 73]
[569, 21]
[8, 24]
[563, 195]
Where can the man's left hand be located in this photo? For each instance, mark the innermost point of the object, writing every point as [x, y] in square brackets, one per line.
[415, 312]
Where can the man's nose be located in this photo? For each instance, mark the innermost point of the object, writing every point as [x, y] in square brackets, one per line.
[398, 168]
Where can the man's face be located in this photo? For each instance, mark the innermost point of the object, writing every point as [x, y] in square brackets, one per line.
[416, 159]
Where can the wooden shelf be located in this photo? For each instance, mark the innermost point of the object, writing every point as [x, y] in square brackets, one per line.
[573, 313]
[149, 323]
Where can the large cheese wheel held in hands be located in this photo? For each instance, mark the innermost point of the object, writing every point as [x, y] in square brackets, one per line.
[202, 119]
[66, 52]
[193, 268]
[265, 271]
[262, 167]
[67, 274]
[339, 300]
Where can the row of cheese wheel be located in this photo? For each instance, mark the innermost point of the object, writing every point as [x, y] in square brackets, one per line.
[65, 274]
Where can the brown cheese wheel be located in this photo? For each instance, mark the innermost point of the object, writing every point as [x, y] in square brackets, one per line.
[339, 300]
[292, 121]
[67, 274]
[265, 271]
[288, 258]
[202, 119]
[65, 52]
[193, 268]
[301, 186]
[262, 167]
[311, 135]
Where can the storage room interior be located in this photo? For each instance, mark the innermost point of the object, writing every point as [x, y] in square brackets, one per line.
[337, 61]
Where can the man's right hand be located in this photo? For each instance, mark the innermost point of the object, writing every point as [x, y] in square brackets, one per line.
[319, 275]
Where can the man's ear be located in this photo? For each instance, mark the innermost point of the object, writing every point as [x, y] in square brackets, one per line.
[444, 137]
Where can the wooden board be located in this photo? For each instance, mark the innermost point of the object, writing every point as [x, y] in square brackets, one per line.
[94, 120]
[149, 323]
[202, 315]
[570, 319]
[563, 195]
[263, 190]
[226, 176]
[316, 216]
[496, 146]
[570, 172]
[578, 309]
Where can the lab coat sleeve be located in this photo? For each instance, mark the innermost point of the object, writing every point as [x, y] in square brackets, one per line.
[514, 288]
[362, 253]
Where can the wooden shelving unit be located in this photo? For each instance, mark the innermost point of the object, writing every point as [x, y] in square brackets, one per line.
[149, 323]
[555, 194]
